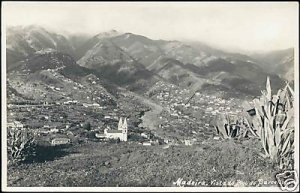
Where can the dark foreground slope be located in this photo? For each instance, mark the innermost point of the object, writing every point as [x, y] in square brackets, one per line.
[102, 165]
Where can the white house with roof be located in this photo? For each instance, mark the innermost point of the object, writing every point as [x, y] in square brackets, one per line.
[60, 141]
[120, 133]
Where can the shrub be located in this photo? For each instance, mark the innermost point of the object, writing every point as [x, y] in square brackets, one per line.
[114, 140]
[20, 145]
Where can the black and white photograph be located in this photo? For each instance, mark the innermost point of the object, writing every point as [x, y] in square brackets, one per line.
[150, 96]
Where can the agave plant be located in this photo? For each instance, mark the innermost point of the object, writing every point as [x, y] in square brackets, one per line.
[20, 145]
[226, 127]
[274, 123]
[248, 124]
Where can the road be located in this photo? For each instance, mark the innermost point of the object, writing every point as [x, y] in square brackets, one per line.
[150, 118]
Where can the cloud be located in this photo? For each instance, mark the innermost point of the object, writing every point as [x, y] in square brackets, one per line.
[231, 26]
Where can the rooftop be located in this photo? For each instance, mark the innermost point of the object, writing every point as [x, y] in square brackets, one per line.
[114, 131]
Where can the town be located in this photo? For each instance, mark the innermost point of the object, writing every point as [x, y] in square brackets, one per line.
[186, 118]
[190, 116]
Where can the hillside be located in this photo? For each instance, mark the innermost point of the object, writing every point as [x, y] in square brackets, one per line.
[213, 164]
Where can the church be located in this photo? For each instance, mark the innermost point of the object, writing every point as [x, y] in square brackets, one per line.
[120, 133]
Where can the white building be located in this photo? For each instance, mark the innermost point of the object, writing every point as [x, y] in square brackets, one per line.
[15, 125]
[144, 135]
[187, 142]
[54, 130]
[120, 133]
[147, 143]
[60, 141]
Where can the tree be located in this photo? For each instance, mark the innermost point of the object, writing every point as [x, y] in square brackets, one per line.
[87, 126]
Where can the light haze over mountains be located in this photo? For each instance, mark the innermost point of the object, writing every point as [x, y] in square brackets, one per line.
[234, 27]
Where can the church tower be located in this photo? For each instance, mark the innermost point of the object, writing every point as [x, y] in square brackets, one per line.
[120, 124]
[125, 129]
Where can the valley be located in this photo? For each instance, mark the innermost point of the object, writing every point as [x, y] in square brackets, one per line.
[170, 93]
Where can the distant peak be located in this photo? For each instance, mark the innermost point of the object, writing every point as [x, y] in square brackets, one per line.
[108, 34]
[136, 36]
[26, 28]
[34, 27]
[113, 31]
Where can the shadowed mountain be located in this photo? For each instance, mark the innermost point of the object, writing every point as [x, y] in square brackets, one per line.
[217, 52]
[81, 50]
[241, 76]
[280, 62]
[116, 64]
[77, 40]
[49, 59]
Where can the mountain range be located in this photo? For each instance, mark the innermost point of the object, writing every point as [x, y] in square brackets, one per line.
[136, 62]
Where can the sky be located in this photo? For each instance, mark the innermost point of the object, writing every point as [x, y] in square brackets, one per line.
[237, 27]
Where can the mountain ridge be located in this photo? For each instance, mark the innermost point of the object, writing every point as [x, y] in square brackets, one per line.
[137, 62]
